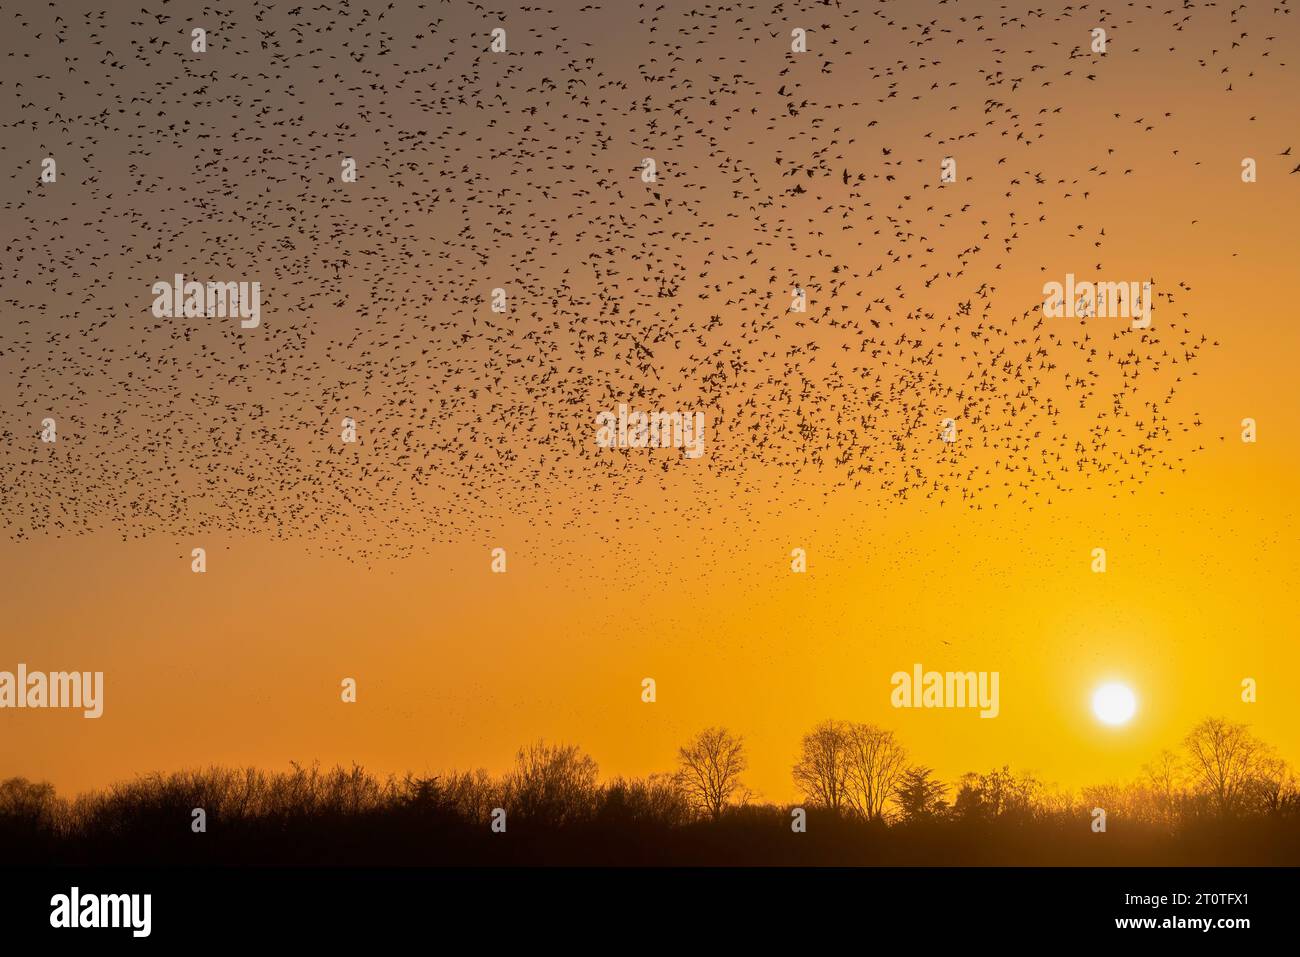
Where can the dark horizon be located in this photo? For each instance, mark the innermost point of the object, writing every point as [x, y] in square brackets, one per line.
[1225, 800]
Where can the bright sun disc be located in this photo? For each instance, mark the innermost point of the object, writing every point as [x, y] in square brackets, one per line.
[1114, 703]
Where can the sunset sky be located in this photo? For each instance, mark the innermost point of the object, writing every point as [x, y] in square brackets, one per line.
[328, 561]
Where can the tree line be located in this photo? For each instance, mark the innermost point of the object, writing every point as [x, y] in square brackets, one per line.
[1223, 770]
[863, 797]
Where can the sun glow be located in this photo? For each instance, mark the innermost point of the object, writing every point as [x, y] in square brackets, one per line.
[1114, 703]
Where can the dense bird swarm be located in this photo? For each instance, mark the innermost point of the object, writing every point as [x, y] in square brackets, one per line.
[522, 170]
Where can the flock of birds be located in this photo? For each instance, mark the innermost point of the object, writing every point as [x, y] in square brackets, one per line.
[778, 174]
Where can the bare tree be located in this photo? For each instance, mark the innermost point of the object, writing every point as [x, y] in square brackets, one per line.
[472, 793]
[710, 769]
[875, 764]
[552, 784]
[1164, 775]
[822, 770]
[33, 804]
[1223, 759]
[1272, 788]
[653, 800]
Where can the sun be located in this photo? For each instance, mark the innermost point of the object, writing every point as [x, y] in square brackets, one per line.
[1114, 703]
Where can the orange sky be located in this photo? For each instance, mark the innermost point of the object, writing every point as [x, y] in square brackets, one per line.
[627, 570]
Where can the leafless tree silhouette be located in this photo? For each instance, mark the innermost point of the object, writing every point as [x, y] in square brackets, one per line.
[1173, 812]
[875, 764]
[1163, 775]
[822, 771]
[710, 767]
[552, 785]
[1272, 785]
[1223, 759]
